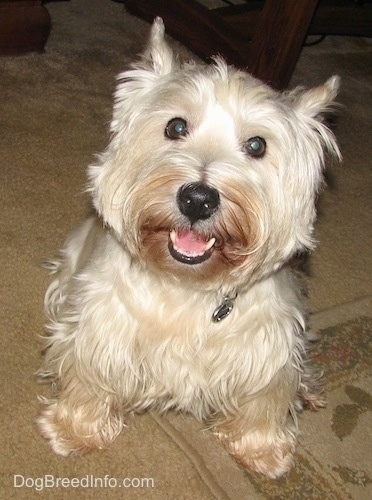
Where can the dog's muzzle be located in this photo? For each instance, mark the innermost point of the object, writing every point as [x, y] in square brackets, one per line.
[196, 201]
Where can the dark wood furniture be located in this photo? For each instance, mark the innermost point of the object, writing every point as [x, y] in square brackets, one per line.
[24, 26]
[264, 36]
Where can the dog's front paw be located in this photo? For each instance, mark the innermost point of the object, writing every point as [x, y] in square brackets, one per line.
[256, 451]
[272, 463]
[74, 433]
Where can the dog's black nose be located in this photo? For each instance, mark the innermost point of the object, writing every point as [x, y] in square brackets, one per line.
[197, 201]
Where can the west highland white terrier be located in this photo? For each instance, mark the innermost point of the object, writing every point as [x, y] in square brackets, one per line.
[178, 293]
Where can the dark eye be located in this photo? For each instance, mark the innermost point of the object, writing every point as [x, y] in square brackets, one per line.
[255, 146]
[176, 128]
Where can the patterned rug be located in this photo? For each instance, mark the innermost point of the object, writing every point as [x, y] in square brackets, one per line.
[334, 457]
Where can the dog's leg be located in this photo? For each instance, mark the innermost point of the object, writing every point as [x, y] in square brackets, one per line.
[262, 433]
[84, 415]
[79, 421]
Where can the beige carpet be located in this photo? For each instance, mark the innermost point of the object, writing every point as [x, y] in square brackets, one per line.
[54, 115]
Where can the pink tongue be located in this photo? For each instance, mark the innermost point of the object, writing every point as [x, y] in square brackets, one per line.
[190, 242]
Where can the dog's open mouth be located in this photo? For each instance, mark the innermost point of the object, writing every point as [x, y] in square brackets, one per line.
[190, 247]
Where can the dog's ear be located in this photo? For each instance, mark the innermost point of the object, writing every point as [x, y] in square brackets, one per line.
[314, 102]
[312, 105]
[141, 76]
[158, 55]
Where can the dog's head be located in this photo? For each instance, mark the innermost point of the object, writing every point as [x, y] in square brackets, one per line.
[211, 176]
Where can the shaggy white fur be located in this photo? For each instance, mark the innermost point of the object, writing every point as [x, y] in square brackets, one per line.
[204, 194]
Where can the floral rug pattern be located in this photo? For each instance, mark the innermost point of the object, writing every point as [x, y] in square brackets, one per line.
[345, 471]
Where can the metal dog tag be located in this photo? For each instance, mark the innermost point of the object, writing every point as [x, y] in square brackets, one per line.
[222, 311]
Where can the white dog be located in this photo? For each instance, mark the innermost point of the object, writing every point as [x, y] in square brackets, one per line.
[178, 294]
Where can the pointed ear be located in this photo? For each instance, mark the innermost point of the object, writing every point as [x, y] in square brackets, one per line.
[158, 55]
[318, 100]
[311, 105]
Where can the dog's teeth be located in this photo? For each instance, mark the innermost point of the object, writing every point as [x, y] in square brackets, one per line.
[185, 247]
[210, 244]
[173, 236]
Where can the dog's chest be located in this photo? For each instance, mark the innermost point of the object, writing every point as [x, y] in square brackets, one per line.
[182, 376]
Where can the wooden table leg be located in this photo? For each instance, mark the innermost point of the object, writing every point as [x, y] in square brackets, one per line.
[278, 39]
[24, 27]
[277, 33]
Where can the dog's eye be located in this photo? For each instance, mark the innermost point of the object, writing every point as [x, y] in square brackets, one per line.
[176, 128]
[255, 146]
